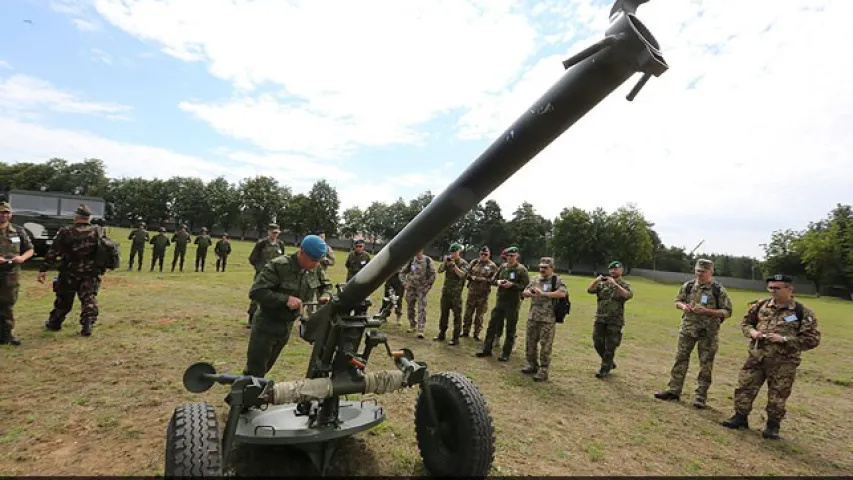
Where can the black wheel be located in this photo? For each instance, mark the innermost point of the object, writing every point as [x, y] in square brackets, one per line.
[193, 448]
[463, 442]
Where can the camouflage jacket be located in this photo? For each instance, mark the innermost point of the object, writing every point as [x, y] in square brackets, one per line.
[454, 282]
[329, 259]
[160, 242]
[203, 242]
[542, 308]
[518, 276]
[418, 273]
[222, 248]
[802, 334]
[139, 236]
[14, 241]
[703, 295]
[279, 279]
[611, 305]
[181, 239]
[356, 262]
[75, 246]
[264, 251]
[480, 276]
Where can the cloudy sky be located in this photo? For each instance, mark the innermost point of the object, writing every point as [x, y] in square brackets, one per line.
[749, 131]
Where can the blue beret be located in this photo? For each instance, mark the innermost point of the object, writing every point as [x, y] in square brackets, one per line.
[314, 247]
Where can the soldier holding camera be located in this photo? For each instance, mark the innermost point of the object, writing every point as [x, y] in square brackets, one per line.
[455, 269]
[418, 276]
[511, 281]
[612, 291]
[542, 320]
[481, 271]
[15, 248]
[780, 329]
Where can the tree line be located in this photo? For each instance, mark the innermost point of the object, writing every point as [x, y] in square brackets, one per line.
[823, 252]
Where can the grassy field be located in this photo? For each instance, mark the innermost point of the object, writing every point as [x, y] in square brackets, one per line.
[71, 405]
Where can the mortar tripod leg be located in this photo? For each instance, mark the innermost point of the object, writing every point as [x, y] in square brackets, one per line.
[321, 455]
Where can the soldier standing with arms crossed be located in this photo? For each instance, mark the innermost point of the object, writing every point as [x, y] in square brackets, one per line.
[780, 329]
[204, 242]
[158, 252]
[612, 292]
[511, 280]
[181, 238]
[542, 320]
[222, 249]
[279, 289]
[455, 270]
[15, 249]
[705, 305]
[418, 276]
[264, 250]
[140, 239]
[481, 272]
[78, 273]
[356, 260]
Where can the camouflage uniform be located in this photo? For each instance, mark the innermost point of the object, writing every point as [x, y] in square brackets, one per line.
[204, 242]
[14, 241]
[222, 249]
[480, 275]
[140, 238]
[263, 251]
[609, 320]
[180, 239]
[355, 262]
[542, 323]
[702, 330]
[506, 308]
[774, 362]
[158, 253]
[279, 279]
[396, 283]
[329, 259]
[78, 274]
[418, 276]
[451, 297]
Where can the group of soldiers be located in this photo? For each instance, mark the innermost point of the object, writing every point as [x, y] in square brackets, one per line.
[160, 242]
[74, 252]
[779, 328]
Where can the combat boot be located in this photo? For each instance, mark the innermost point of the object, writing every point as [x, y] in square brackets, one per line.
[86, 329]
[541, 375]
[6, 337]
[699, 403]
[399, 319]
[667, 396]
[50, 325]
[737, 421]
[530, 369]
[772, 429]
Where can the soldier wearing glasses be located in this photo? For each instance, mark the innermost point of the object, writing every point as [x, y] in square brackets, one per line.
[780, 328]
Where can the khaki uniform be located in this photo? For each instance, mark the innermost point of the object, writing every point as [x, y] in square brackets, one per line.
[418, 276]
[542, 325]
[278, 280]
[14, 241]
[480, 276]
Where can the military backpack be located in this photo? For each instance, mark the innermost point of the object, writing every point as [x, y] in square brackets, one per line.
[562, 306]
[108, 253]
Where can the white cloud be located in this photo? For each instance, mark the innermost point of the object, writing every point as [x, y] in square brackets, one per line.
[347, 74]
[86, 25]
[23, 94]
[102, 56]
[5, 65]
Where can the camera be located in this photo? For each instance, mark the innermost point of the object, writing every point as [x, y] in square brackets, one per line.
[448, 258]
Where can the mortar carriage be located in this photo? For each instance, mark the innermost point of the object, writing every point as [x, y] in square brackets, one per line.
[452, 423]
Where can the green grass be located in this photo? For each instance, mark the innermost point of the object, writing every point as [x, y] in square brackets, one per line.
[100, 405]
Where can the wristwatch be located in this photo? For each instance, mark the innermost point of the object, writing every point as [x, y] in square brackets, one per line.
[785, 339]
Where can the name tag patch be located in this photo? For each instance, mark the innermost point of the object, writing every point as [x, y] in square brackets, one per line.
[15, 240]
[790, 318]
[512, 276]
[704, 300]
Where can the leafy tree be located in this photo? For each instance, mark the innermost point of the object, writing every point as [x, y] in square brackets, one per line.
[352, 222]
[263, 198]
[571, 236]
[323, 205]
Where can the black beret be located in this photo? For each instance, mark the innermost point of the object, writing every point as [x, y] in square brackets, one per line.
[780, 277]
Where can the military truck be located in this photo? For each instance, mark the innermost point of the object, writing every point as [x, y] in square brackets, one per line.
[43, 213]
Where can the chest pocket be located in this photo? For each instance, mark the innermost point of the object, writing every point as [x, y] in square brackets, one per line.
[311, 282]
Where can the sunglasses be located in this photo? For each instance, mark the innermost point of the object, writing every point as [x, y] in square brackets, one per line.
[775, 288]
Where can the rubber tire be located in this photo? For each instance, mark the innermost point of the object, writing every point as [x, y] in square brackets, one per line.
[462, 409]
[193, 448]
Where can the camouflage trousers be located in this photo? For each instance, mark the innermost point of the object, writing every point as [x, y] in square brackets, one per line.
[264, 349]
[66, 288]
[606, 337]
[540, 334]
[134, 251]
[8, 299]
[504, 315]
[221, 261]
[200, 259]
[179, 254]
[476, 307]
[395, 283]
[450, 302]
[417, 295]
[705, 337]
[157, 257]
[779, 374]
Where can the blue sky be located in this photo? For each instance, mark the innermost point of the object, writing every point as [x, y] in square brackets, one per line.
[388, 99]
